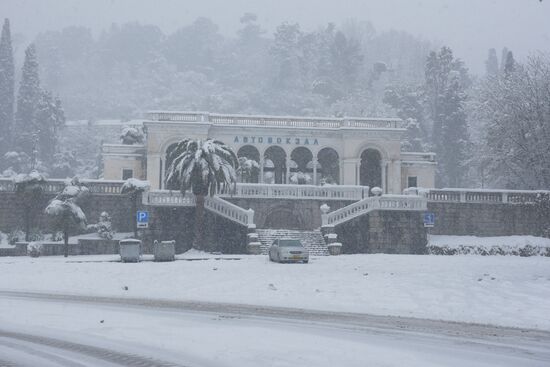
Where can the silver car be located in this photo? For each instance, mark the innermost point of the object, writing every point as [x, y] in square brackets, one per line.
[288, 251]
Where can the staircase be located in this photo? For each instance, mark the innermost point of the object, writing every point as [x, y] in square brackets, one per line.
[312, 240]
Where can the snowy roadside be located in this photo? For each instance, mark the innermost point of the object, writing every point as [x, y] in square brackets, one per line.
[499, 290]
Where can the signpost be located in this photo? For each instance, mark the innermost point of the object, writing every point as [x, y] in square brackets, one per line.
[142, 218]
[429, 220]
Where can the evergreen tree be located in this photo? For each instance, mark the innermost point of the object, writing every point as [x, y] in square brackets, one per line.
[49, 119]
[491, 65]
[503, 57]
[25, 131]
[7, 88]
[510, 64]
[446, 79]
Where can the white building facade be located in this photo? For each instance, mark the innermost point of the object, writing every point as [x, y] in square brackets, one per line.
[282, 150]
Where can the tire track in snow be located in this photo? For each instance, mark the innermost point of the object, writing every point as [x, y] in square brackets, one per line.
[107, 355]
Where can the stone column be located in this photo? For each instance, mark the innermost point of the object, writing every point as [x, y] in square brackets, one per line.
[261, 180]
[384, 165]
[349, 169]
[314, 161]
[153, 170]
[287, 170]
[396, 177]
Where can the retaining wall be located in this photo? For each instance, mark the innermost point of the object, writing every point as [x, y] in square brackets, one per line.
[486, 219]
[390, 232]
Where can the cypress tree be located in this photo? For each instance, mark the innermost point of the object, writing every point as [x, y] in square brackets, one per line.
[25, 132]
[7, 88]
[491, 65]
[50, 118]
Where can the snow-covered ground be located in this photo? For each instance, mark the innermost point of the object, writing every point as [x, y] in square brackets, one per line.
[500, 290]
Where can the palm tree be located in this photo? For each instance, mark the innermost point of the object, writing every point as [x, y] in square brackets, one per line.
[134, 188]
[65, 210]
[206, 167]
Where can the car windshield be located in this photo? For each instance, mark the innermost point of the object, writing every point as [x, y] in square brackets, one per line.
[290, 243]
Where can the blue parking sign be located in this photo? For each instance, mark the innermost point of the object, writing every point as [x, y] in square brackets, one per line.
[429, 219]
[142, 216]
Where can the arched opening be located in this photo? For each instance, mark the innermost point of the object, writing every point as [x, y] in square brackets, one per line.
[274, 165]
[370, 172]
[249, 164]
[328, 169]
[301, 169]
[280, 218]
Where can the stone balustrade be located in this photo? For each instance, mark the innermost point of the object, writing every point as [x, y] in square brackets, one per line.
[327, 192]
[276, 121]
[384, 202]
[108, 187]
[230, 211]
[481, 196]
[168, 198]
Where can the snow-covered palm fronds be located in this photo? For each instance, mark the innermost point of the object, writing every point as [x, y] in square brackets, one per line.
[204, 166]
[65, 204]
[66, 210]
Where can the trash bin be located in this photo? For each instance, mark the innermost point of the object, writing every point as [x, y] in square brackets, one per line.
[130, 250]
[164, 250]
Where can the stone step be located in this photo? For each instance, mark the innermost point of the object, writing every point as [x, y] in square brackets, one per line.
[312, 240]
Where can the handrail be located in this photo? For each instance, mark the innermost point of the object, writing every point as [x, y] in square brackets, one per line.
[230, 211]
[365, 206]
[212, 203]
[276, 121]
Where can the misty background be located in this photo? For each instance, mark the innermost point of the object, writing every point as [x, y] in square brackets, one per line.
[470, 27]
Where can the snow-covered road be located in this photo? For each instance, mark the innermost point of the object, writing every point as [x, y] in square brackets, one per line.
[53, 330]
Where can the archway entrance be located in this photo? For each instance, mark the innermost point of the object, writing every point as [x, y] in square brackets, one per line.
[301, 169]
[275, 165]
[283, 219]
[370, 172]
[249, 164]
[329, 166]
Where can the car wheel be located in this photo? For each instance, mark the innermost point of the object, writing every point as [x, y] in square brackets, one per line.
[306, 261]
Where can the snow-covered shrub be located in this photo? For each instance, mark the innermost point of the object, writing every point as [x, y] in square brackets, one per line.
[16, 235]
[300, 178]
[488, 246]
[56, 236]
[376, 191]
[34, 249]
[131, 135]
[248, 169]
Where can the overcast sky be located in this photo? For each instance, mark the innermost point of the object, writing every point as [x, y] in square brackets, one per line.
[470, 27]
